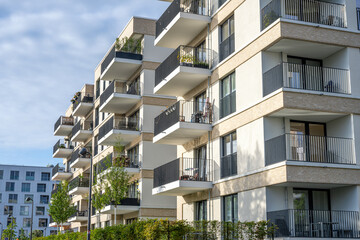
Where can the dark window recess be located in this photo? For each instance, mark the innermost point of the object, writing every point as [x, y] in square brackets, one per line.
[228, 95]
[227, 38]
[228, 162]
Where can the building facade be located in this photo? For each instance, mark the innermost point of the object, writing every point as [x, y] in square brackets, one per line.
[19, 184]
[267, 123]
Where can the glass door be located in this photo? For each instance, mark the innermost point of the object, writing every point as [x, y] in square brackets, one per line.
[200, 163]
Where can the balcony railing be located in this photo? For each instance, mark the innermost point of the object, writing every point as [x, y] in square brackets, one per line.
[133, 89]
[183, 56]
[78, 182]
[306, 148]
[298, 76]
[133, 54]
[187, 169]
[315, 223]
[228, 165]
[87, 125]
[129, 201]
[312, 11]
[55, 190]
[75, 155]
[57, 169]
[124, 123]
[193, 6]
[80, 214]
[125, 160]
[61, 144]
[183, 111]
[69, 121]
[82, 97]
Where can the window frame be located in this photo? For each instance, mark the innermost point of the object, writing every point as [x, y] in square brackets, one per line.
[232, 90]
[14, 175]
[26, 211]
[13, 198]
[1, 174]
[7, 208]
[228, 21]
[42, 210]
[41, 184]
[48, 176]
[47, 197]
[232, 151]
[22, 187]
[198, 208]
[358, 17]
[233, 198]
[31, 174]
[26, 196]
[10, 188]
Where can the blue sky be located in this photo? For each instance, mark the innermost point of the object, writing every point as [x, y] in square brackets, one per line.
[48, 50]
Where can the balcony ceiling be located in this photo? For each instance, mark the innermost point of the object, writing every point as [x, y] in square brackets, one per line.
[80, 163]
[78, 219]
[79, 191]
[181, 30]
[83, 109]
[113, 137]
[181, 188]
[62, 153]
[306, 115]
[119, 209]
[120, 69]
[63, 130]
[60, 176]
[81, 136]
[119, 103]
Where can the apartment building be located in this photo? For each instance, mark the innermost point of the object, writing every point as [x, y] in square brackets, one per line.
[267, 123]
[118, 109]
[19, 186]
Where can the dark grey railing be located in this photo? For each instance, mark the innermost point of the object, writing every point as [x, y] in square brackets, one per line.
[299, 76]
[83, 97]
[228, 165]
[312, 11]
[227, 47]
[57, 169]
[87, 125]
[182, 111]
[124, 123]
[298, 147]
[80, 214]
[64, 121]
[315, 223]
[125, 160]
[134, 55]
[133, 89]
[129, 201]
[61, 144]
[78, 182]
[186, 169]
[75, 155]
[177, 6]
[183, 56]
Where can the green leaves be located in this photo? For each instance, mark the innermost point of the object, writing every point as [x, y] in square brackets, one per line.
[9, 232]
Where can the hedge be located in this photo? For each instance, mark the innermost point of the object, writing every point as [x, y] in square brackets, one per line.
[175, 230]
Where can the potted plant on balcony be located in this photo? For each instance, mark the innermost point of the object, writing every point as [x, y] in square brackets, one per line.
[186, 59]
[201, 64]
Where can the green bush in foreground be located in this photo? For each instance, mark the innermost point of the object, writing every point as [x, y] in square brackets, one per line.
[175, 230]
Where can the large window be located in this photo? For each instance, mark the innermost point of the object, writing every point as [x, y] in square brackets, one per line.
[200, 101]
[227, 41]
[41, 187]
[14, 175]
[13, 198]
[26, 222]
[40, 211]
[25, 187]
[230, 208]
[44, 199]
[201, 210]
[43, 222]
[228, 95]
[31, 196]
[8, 210]
[45, 176]
[133, 154]
[10, 187]
[9, 220]
[228, 163]
[30, 176]
[24, 210]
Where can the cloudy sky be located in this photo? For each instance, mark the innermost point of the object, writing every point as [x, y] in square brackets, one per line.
[48, 50]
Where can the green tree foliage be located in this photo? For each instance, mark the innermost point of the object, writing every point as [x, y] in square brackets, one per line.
[37, 233]
[22, 235]
[9, 232]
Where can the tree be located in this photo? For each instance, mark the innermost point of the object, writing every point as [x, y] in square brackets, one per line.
[37, 233]
[98, 198]
[9, 232]
[60, 207]
[22, 235]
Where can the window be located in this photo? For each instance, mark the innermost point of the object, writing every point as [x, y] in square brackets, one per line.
[10, 186]
[40, 211]
[44, 199]
[14, 175]
[30, 176]
[28, 196]
[227, 95]
[200, 101]
[0, 197]
[230, 208]
[43, 222]
[228, 163]
[358, 16]
[133, 154]
[24, 210]
[13, 198]
[1, 174]
[201, 211]
[25, 187]
[8, 210]
[41, 187]
[227, 43]
[96, 116]
[45, 176]
[9, 220]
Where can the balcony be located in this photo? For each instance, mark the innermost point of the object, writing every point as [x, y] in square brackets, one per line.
[306, 148]
[310, 11]
[182, 122]
[181, 22]
[83, 103]
[128, 205]
[59, 173]
[118, 98]
[79, 186]
[62, 149]
[130, 162]
[306, 77]
[120, 65]
[123, 130]
[79, 216]
[182, 176]
[315, 223]
[82, 131]
[77, 161]
[63, 126]
[182, 71]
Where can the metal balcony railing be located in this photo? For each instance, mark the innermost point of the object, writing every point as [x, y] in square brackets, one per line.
[228, 165]
[188, 6]
[83, 97]
[78, 182]
[299, 147]
[312, 11]
[187, 169]
[133, 89]
[80, 214]
[183, 111]
[124, 123]
[315, 223]
[124, 160]
[57, 169]
[64, 121]
[183, 56]
[61, 144]
[75, 155]
[299, 76]
[87, 125]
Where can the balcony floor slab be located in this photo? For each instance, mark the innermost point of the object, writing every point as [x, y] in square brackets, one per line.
[119, 103]
[120, 69]
[181, 188]
[116, 135]
[62, 153]
[83, 109]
